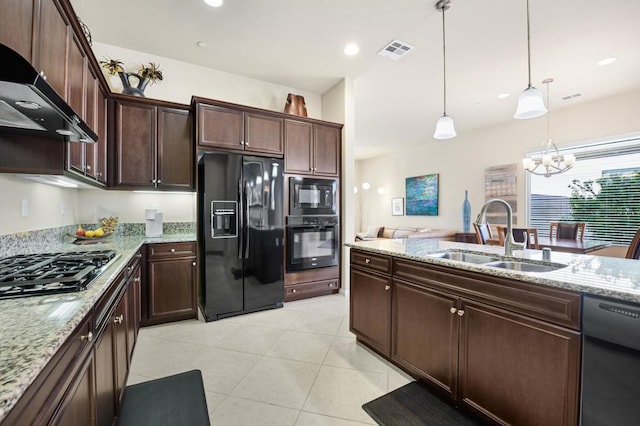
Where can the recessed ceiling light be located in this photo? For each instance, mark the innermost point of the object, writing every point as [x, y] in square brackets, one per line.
[201, 44]
[214, 3]
[503, 95]
[607, 61]
[351, 49]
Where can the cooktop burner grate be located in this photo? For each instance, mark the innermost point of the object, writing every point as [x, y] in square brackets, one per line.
[50, 273]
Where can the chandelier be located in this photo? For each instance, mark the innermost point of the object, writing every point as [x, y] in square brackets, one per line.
[551, 162]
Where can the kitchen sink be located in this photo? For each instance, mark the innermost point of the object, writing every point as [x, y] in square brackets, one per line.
[525, 266]
[465, 257]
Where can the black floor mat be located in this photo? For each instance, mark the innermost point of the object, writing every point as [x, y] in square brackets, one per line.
[415, 405]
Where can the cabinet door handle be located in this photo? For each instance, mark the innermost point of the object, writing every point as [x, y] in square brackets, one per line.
[118, 320]
[88, 337]
[461, 312]
[386, 287]
[136, 280]
[173, 250]
[453, 310]
[367, 261]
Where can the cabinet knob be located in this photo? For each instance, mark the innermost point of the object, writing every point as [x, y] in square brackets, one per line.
[153, 181]
[129, 269]
[194, 263]
[453, 310]
[99, 174]
[461, 312]
[159, 181]
[293, 291]
[118, 320]
[88, 166]
[386, 287]
[139, 255]
[367, 261]
[173, 250]
[88, 337]
[136, 280]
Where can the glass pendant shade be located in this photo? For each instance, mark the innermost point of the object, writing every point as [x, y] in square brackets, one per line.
[444, 128]
[530, 104]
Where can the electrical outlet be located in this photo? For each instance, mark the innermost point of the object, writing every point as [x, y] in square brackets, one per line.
[25, 207]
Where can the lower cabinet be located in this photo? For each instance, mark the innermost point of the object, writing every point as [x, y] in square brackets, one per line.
[311, 283]
[505, 350]
[370, 307]
[78, 407]
[171, 282]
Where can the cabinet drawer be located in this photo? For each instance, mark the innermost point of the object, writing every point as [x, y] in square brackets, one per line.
[371, 261]
[316, 288]
[169, 250]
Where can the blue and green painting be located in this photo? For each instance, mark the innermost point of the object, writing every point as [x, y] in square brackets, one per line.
[422, 195]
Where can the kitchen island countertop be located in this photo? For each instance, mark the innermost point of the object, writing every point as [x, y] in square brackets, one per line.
[34, 328]
[598, 275]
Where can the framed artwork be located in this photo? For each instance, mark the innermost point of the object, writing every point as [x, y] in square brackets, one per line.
[422, 195]
[397, 206]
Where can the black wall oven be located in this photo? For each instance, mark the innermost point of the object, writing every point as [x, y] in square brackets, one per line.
[312, 196]
[312, 242]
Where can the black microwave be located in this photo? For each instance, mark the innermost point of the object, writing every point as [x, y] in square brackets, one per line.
[312, 196]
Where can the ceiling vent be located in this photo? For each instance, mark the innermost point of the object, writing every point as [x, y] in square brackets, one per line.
[569, 97]
[395, 50]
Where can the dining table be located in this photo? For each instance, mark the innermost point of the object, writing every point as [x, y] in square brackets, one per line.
[571, 246]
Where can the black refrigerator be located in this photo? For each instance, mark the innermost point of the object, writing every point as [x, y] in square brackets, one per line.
[240, 234]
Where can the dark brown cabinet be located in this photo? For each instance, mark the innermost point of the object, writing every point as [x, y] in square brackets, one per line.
[52, 43]
[16, 30]
[370, 301]
[312, 149]
[78, 407]
[153, 147]
[507, 350]
[235, 129]
[171, 284]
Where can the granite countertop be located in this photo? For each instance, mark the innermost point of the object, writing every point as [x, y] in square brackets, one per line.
[33, 328]
[598, 275]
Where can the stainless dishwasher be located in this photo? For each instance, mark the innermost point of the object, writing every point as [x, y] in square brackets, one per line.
[610, 363]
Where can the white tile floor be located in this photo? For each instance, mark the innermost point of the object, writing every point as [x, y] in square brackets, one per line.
[298, 365]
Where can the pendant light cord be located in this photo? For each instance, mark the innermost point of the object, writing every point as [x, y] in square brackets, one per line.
[444, 58]
[529, 45]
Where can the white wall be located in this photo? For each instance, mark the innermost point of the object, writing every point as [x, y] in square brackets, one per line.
[181, 81]
[461, 161]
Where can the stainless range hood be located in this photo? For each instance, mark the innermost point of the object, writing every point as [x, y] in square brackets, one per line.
[30, 106]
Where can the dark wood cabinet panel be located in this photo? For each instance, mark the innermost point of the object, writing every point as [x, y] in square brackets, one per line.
[121, 358]
[370, 309]
[16, 30]
[425, 334]
[326, 150]
[518, 370]
[76, 95]
[133, 309]
[154, 148]
[310, 289]
[263, 133]
[219, 127]
[105, 377]
[135, 144]
[91, 117]
[298, 157]
[78, 407]
[172, 289]
[312, 149]
[101, 131]
[175, 149]
[53, 43]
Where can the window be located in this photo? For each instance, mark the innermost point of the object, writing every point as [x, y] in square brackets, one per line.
[601, 190]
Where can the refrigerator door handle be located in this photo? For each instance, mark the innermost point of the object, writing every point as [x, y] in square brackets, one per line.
[240, 214]
[247, 225]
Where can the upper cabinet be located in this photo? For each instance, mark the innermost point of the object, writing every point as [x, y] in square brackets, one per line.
[153, 148]
[16, 30]
[311, 148]
[235, 129]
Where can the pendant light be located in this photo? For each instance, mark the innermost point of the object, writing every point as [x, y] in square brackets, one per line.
[550, 161]
[444, 126]
[530, 102]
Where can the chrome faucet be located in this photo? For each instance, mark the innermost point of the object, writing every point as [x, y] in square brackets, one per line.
[509, 243]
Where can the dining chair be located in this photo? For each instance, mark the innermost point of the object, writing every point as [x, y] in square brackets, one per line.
[633, 252]
[519, 236]
[566, 231]
[483, 232]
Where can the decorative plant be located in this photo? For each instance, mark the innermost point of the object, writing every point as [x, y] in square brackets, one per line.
[113, 66]
[151, 71]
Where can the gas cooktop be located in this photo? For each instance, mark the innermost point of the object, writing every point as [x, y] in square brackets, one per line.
[50, 273]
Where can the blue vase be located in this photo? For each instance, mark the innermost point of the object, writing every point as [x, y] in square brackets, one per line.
[466, 213]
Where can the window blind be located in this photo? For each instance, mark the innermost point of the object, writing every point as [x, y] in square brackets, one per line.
[602, 190]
